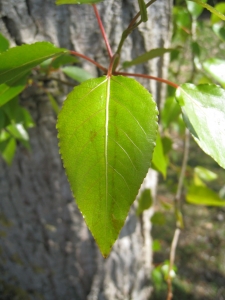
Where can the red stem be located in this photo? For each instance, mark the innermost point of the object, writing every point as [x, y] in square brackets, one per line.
[148, 77]
[88, 59]
[102, 31]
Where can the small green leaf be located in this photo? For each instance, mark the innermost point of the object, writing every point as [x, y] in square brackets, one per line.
[146, 56]
[107, 131]
[220, 7]
[202, 195]
[143, 10]
[18, 131]
[219, 30]
[216, 68]
[60, 2]
[21, 59]
[77, 73]
[54, 103]
[12, 88]
[205, 174]
[145, 201]
[4, 43]
[8, 149]
[170, 112]
[195, 9]
[158, 219]
[156, 246]
[204, 114]
[210, 8]
[63, 60]
[159, 160]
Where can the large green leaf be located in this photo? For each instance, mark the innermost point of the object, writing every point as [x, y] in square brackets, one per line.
[107, 131]
[19, 60]
[203, 109]
[147, 56]
[59, 2]
[11, 89]
[216, 68]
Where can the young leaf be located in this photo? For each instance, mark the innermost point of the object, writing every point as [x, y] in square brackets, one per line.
[143, 10]
[107, 131]
[12, 88]
[210, 8]
[205, 174]
[202, 195]
[216, 67]
[54, 103]
[4, 43]
[145, 201]
[195, 9]
[204, 114]
[21, 59]
[60, 2]
[77, 73]
[159, 160]
[146, 56]
[220, 7]
[8, 149]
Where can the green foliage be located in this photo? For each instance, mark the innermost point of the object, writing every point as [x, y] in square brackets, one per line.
[206, 103]
[107, 132]
[19, 60]
[77, 73]
[146, 56]
[145, 201]
[4, 43]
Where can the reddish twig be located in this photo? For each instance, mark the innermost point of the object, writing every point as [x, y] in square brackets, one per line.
[102, 31]
[88, 59]
[148, 77]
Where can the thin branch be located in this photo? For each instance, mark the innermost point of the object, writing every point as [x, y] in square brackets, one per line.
[172, 258]
[173, 84]
[88, 59]
[102, 31]
[177, 203]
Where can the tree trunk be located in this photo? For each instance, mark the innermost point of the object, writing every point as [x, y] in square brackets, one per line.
[46, 250]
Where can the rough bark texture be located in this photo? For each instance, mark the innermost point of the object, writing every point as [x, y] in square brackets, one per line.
[46, 250]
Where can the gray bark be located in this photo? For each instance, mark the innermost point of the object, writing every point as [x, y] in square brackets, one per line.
[46, 250]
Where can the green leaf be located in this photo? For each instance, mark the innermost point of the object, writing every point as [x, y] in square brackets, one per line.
[205, 174]
[202, 195]
[146, 56]
[18, 131]
[12, 88]
[8, 149]
[204, 115]
[77, 73]
[159, 160]
[21, 59]
[216, 68]
[220, 7]
[63, 60]
[219, 30]
[210, 8]
[145, 201]
[143, 10]
[107, 131]
[170, 112]
[54, 103]
[158, 219]
[4, 43]
[195, 9]
[60, 2]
